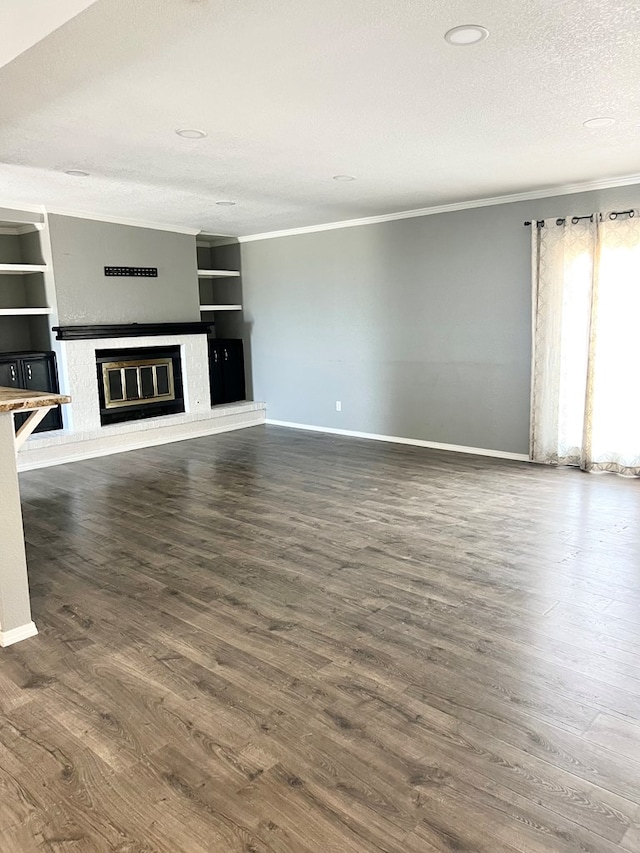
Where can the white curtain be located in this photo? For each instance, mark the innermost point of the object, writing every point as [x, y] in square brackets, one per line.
[585, 400]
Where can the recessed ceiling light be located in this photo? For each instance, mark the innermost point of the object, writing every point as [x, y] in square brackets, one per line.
[76, 173]
[343, 178]
[595, 123]
[225, 203]
[189, 133]
[466, 34]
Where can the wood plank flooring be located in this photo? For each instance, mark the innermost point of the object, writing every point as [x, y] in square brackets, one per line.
[273, 641]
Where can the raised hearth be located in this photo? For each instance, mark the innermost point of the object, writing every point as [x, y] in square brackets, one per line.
[86, 434]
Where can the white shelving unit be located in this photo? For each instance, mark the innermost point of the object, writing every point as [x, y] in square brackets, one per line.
[22, 269]
[221, 308]
[27, 288]
[219, 284]
[218, 273]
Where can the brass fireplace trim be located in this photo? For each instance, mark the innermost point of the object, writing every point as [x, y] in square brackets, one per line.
[153, 363]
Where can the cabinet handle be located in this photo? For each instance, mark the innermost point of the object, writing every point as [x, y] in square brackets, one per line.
[29, 376]
[215, 356]
[13, 373]
[226, 355]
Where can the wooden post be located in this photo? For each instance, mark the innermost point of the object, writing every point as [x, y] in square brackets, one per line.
[15, 608]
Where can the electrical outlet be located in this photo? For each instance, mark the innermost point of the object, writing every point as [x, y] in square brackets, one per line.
[338, 406]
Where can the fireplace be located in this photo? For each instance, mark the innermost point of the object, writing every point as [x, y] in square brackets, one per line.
[139, 383]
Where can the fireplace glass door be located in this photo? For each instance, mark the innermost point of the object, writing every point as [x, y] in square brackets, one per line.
[137, 381]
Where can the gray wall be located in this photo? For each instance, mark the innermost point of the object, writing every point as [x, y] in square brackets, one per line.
[83, 247]
[420, 327]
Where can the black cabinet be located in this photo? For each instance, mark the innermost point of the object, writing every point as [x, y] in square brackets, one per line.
[226, 370]
[35, 371]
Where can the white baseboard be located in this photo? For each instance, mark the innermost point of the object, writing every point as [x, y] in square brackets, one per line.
[15, 635]
[417, 442]
[45, 457]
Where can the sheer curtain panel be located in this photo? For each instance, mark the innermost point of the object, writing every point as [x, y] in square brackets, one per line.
[585, 403]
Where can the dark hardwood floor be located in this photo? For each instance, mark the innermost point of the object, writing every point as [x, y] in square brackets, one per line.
[273, 641]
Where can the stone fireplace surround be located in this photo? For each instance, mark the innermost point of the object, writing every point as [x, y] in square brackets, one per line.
[83, 436]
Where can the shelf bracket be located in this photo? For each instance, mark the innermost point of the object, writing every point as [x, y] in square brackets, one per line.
[36, 416]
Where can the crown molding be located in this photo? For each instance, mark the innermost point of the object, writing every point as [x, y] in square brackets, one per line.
[209, 242]
[21, 207]
[15, 227]
[25, 228]
[549, 192]
[118, 220]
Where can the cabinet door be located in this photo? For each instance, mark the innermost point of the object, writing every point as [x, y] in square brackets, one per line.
[216, 382]
[10, 374]
[11, 377]
[233, 370]
[40, 375]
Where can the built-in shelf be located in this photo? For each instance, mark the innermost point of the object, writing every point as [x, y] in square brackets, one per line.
[218, 273]
[221, 307]
[21, 312]
[21, 269]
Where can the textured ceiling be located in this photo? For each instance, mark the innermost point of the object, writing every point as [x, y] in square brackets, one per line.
[292, 92]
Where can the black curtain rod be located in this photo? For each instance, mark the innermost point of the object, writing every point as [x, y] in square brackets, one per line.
[575, 219]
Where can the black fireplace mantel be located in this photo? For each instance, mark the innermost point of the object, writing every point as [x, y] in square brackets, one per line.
[129, 330]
